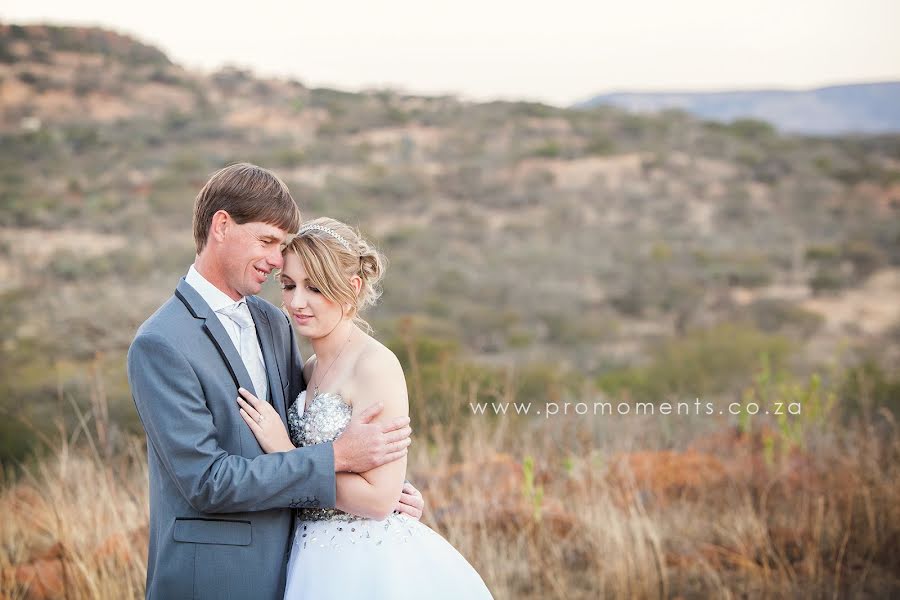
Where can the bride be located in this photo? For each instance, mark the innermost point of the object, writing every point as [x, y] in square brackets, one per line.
[360, 549]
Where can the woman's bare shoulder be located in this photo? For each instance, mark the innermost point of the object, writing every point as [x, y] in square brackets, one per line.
[378, 375]
[376, 360]
[308, 367]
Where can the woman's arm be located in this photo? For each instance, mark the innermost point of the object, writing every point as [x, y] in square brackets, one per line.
[378, 377]
[374, 494]
[364, 445]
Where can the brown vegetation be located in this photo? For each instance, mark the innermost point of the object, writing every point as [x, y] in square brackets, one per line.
[558, 514]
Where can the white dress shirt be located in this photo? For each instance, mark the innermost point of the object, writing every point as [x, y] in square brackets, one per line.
[217, 300]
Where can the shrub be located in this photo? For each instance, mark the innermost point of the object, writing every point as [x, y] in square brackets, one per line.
[709, 361]
[751, 129]
[867, 388]
[546, 150]
[827, 279]
[600, 145]
[772, 316]
[865, 257]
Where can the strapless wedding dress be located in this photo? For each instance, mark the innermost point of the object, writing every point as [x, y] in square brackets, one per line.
[336, 555]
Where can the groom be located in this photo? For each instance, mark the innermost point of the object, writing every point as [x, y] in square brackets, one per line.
[221, 509]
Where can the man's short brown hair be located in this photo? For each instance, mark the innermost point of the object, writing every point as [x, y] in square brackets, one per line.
[249, 194]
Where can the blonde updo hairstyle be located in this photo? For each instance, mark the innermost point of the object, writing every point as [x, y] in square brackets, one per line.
[330, 266]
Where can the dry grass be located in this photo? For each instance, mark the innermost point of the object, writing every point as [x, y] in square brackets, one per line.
[552, 509]
[712, 519]
[75, 526]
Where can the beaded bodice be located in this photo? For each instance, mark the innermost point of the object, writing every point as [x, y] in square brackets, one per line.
[322, 421]
[325, 418]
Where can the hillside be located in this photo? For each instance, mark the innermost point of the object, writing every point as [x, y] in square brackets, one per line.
[578, 246]
[869, 108]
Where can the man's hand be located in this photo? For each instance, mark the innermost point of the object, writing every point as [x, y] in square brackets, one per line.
[411, 502]
[365, 445]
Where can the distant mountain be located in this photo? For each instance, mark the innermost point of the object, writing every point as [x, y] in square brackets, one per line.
[862, 108]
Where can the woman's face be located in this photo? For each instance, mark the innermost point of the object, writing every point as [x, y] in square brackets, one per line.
[313, 314]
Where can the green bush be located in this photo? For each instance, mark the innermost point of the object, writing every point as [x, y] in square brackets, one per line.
[600, 146]
[739, 269]
[827, 279]
[17, 442]
[543, 383]
[774, 316]
[822, 252]
[867, 388]
[709, 361]
[7, 56]
[751, 129]
[865, 257]
[546, 150]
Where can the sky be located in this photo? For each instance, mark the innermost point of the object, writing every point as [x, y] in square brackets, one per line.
[556, 51]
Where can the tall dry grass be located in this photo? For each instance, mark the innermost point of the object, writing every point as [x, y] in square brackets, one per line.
[74, 525]
[571, 507]
[579, 518]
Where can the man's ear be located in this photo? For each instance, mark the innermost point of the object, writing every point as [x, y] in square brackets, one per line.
[221, 222]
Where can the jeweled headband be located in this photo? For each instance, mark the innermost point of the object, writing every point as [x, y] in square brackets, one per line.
[330, 232]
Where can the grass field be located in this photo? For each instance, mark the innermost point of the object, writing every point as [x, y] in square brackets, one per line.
[567, 507]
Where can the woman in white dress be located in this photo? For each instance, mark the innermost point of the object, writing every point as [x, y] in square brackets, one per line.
[360, 549]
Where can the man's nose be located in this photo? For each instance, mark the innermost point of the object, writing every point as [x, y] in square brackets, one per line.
[276, 259]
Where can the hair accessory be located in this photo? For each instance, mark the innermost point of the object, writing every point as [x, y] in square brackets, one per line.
[330, 232]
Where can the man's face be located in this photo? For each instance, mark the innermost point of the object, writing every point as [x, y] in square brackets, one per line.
[249, 253]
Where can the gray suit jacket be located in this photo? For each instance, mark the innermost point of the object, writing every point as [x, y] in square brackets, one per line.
[220, 508]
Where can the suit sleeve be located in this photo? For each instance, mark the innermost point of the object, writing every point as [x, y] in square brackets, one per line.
[180, 428]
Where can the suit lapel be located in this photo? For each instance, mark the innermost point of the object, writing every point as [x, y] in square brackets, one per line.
[213, 328]
[270, 357]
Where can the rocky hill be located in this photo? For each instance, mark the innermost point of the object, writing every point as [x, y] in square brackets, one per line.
[573, 244]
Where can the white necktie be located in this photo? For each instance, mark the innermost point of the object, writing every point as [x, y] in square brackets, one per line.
[249, 346]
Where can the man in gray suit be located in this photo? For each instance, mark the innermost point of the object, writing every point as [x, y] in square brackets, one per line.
[221, 510]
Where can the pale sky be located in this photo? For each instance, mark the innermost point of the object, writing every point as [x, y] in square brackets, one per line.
[556, 51]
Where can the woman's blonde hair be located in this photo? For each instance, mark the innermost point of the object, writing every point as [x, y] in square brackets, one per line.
[332, 253]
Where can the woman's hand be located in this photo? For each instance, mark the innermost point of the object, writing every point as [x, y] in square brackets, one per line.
[264, 422]
[411, 502]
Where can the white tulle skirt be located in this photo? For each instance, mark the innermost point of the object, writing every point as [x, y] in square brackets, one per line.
[394, 559]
